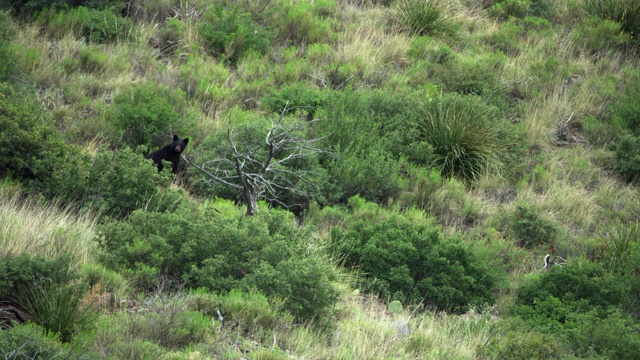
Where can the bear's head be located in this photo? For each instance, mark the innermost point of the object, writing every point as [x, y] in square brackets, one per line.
[178, 145]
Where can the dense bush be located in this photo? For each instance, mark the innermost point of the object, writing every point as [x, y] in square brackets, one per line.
[8, 66]
[414, 264]
[468, 137]
[30, 341]
[229, 33]
[299, 97]
[149, 114]
[303, 22]
[30, 147]
[114, 182]
[99, 26]
[531, 230]
[207, 249]
[555, 296]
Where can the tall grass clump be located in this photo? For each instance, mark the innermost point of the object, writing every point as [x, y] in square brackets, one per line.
[626, 12]
[424, 17]
[467, 136]
[44, 230]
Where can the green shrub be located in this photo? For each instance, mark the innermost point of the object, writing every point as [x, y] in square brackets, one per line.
[221, 254]
[30, 147]
[511, 8]
[299, 97]
[92, 59]
[229, 33]
[418, 18]
[531, 229]
[521, 345]
[627, 156]
[554, 297]
[467, 136]
[30, 341]
[612, 337]
[19, 271]
[600, 35]
[302, 22]
[144, 114]
[98, 26]
[8, 66]
[414, 264]
[114, 182]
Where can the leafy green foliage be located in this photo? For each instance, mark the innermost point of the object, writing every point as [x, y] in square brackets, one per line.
[417, 17]
[229, 33]
[142, 113]
[115, 182]
[519, 345]
[8, 66]
[531, 229]
[303, 22]
[413, 264]
[552, 298]
[467, 136]
[601, 35]
[222, 253]
[48, 291]
[30, 148]
[98, 26]
[299, 97]
[30, 341]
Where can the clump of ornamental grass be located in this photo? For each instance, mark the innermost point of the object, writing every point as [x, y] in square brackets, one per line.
[468, 137]
[424, 17]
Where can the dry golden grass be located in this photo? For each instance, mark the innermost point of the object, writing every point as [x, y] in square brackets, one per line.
[44, 229]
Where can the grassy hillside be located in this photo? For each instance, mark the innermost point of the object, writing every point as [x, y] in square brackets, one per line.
[370, 180]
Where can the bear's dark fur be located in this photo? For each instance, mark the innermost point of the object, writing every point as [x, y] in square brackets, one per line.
[170, 153]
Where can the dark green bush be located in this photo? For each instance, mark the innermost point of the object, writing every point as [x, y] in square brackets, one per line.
[98, 26]
[222, 253]
[145, 114]
[114, 182]
[612, 337]
[627, 156]
[30, 341]
[30, 147]
[554, 297]
[414, 264]
[229, 33]
[299, 97]
[531, 229]
[468, 137]
[17, 272]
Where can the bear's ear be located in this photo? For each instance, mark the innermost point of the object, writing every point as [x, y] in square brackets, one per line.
[186, 140]
[175, 137]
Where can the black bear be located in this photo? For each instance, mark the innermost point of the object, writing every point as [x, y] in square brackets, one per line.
[169, 152]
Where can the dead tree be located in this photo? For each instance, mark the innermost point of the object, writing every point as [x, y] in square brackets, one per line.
[261, 169]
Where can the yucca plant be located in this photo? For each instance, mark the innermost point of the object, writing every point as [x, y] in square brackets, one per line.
[626, 12]
[467, 136]
[424, 17]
